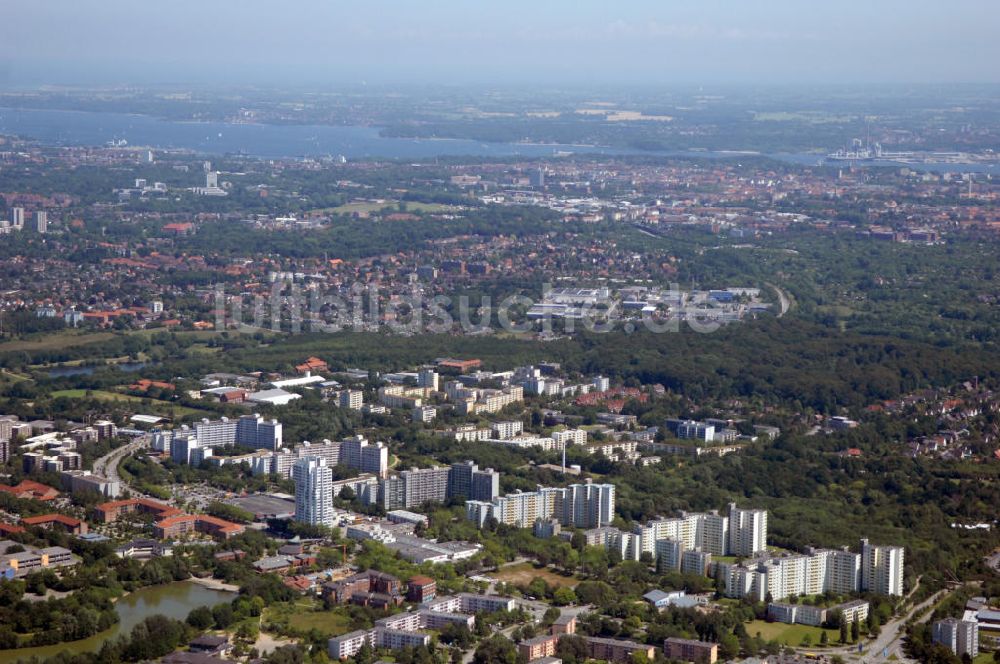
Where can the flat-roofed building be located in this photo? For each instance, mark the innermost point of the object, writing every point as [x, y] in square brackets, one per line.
[439, 619]
[959, 636]
[689, 650]
[882, 569]
[348, 645]
[564, 624]
[395, 639]
[540, 646]
[473, 603]
[421, 589]
[617, 650]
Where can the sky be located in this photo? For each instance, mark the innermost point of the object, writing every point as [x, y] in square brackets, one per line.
[462, 42]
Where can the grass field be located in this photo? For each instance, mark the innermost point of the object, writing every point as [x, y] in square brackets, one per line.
[352, 208]
[104, 395]
[791, 635]
[523, 573]
[71, 337]
[306, 614]
[199, 349]
[12, 377]
[56, 340]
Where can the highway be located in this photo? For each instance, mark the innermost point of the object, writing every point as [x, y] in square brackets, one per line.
[107, 465]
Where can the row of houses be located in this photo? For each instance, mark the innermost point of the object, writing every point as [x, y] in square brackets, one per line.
[18, 560]
[406, 630]
[170, 521]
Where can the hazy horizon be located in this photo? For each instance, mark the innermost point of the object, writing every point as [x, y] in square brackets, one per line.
[446, 42]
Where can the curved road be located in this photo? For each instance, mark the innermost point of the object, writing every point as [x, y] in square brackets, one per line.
[107, 465]
[890, 638]
[784, 301]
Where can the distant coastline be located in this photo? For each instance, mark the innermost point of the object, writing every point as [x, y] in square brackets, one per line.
[270, 140]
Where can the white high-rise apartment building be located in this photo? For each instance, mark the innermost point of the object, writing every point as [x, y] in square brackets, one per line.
[507, 429]
[353, 399]
[656, 530]
[17, 218]
[669, 554]
[787, 576]
[42, 221]
[313, 491]
[585, 505]
[959, 636]
[876, 569]
[254, 431]
[703, 531]
[712, 534]
[590, 505]
[357, 452]
[882, 569]
[216, 433]
[843, 571]
[428, 378]
[747, 531]
[569, 437]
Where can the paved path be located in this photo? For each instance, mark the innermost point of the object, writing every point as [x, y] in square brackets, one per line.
[993, 561]
[785, 303]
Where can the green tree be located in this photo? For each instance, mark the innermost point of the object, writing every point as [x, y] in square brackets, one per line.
[572, 649]
[495, 650]
[563, 596]
[729, 646]
[201, 618]
[223, 615]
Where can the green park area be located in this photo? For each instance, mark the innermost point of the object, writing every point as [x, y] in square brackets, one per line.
[156, 405]
[305, 615]
[55, 341]
[791, 635]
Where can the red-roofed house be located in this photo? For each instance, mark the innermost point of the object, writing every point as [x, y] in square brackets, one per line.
[460, 365]
[182, 524]
[313, 364]
[145, 384]
[31, 491]
[61, 521]
[112, 511]
[179, 228]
